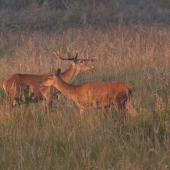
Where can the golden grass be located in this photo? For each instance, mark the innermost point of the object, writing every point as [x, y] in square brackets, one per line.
[135, 54]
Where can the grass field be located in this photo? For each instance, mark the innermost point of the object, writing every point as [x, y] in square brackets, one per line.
[135, 54]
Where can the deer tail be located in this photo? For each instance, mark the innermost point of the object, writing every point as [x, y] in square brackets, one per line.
[134, 89]
[3, 86]
[130, 92]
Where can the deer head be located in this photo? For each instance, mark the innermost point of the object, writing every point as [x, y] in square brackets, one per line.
[51, 79]
[81, 65]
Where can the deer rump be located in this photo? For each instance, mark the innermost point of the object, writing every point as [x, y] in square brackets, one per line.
[14, 85]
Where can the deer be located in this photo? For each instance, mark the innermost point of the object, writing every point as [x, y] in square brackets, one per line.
[95, 95]
[14, 85]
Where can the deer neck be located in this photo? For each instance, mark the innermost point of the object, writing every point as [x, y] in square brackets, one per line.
[70, 74]
[64, 88]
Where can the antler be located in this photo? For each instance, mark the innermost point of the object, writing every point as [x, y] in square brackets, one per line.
[69, 53]
[57, 54]
[76, 54]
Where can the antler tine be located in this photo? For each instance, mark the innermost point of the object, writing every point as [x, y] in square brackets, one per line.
[57, 54]
[76, 54]
[69, 53]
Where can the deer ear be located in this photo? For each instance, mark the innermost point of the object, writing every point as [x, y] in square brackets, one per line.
[58, 72]
[53, 72]
[81, 61]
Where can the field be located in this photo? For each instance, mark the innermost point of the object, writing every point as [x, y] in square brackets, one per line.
[135, 54]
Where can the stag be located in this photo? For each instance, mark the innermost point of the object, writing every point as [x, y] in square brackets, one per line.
[95, 95]
[14, 85]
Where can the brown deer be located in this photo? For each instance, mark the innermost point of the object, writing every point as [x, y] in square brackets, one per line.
[95, 95]
[14, 85]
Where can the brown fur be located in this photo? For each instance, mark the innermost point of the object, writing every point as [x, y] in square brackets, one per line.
[14, 85]
[95, 95]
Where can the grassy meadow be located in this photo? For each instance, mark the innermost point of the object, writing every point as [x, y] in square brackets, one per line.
[135, 54]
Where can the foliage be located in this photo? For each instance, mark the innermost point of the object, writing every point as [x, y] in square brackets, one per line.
[28, 98]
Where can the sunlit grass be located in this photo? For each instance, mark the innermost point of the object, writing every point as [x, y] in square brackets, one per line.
[136, 55]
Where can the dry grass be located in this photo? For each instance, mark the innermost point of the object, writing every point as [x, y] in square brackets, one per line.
[135, 54]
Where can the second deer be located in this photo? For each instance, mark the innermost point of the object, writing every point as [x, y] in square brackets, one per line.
[96, 95]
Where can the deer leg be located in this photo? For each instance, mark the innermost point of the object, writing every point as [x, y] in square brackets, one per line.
[11, 103]
[106, 112]
[49, 105]
[58, 96]
[44, 105]
[122, 110]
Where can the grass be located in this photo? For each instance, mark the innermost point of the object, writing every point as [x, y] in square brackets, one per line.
[135, 54]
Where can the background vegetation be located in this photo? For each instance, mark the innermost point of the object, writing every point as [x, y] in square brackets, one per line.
[63, 14]
[129, 46]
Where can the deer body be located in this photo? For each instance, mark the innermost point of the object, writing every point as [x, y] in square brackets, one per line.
[15, 84]
[94, 95]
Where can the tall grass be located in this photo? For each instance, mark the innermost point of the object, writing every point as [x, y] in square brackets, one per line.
[135, 54]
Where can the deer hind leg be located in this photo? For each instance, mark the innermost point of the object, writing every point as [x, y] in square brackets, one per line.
[122, 111]
[106, 112]
[14, 93]
[11, 102]
[121, 108]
